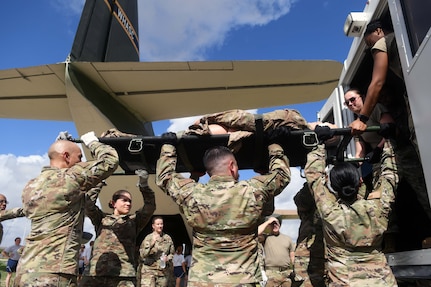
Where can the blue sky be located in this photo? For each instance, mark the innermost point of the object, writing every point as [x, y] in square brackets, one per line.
[41, 32]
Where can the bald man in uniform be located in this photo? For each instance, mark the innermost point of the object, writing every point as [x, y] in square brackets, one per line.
[54, 202]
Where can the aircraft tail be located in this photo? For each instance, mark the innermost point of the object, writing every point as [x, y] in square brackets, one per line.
[107, 32]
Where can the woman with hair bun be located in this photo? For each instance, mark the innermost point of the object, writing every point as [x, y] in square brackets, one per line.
[112, 262]
[353, 226]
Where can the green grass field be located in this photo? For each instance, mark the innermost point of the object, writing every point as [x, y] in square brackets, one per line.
[3, 272]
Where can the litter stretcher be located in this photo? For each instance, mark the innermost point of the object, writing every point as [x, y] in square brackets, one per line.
[142, 152]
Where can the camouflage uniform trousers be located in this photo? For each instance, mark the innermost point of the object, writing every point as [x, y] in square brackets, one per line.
[277, 278]
[105, 281]
[358, 269]
[241, 124]
[36, 279]
[206, 284]
[153, 278]
[311, 268]
[245, 121]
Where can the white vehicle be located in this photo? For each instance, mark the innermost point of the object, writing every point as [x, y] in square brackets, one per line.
[411, 25]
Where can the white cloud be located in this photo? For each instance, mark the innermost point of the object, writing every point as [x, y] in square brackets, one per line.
[16, 171]
[285, 199]
[181, 124]
[173, 30]
[70, 7]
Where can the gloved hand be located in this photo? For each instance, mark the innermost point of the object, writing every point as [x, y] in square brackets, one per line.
[323, 133]
[89, 138]
[169, 138]
[102, 184]
[64, 136]
[143, 177]
[374, 155]
[277, 134]
[387, 130]
[264, 279]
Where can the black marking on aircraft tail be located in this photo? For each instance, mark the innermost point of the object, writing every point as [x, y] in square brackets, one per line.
[107, 32]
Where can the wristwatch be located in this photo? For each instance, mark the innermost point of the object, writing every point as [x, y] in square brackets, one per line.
[363, 118]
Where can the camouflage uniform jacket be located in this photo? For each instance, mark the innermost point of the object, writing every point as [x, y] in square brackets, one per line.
[353, 233]
[114, 248]
[224, 215]
[310, 250]
[9, 214]
[243, 120]
[242, 124]
[150, 252]
[54, 202]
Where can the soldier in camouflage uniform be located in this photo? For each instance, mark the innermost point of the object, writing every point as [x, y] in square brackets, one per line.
[279, 253]
[388, 86]
[54, 202]
[240, 124]
[155, 247]
[224, 213]
[310, 250]
[113, 257]
[3, 204]
[7, 214]
[353, 227]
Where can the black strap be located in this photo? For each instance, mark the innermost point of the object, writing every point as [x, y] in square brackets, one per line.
[258, 142]
[182, 153]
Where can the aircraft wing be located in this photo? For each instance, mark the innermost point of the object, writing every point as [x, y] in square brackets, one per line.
[154, 91]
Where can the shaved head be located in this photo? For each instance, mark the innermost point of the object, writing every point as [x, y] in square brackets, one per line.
[61, 146]
[220, 161]
[64, 153]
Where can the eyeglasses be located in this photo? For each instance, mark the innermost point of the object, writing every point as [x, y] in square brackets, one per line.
[3, 202]
[350, 101]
